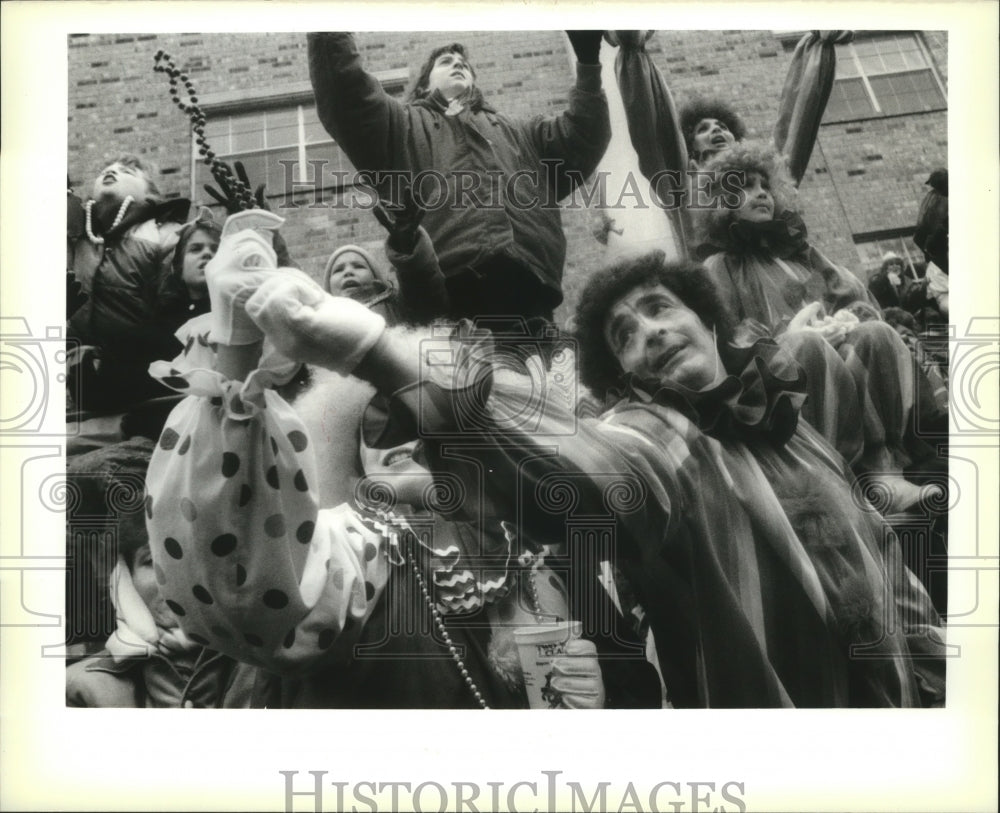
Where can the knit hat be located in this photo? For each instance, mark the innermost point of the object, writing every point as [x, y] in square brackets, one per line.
[377, 270]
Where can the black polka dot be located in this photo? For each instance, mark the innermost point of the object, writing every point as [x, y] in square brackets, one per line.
[253, 640]
[220, 632]
[173, 547]
[236, 405]
[175, 607]
[188, 511]
[216, 401]
[370, 551]
[298, 440]
[189, 344]
[224, 545]
[369, 591]
[554, 581]
[245, 494]
[272, 476]
[198, 639]
[274, 446]
[241, 575]
[185, 445]
[168, 439]
[274, 525]
[275, 599]
[300, 481]
[325, 640]
[338, 578]
[289, 639]
[149, 506]
[161, 577]
[230, 464]
[202, 594]
[304, 533]
[176, 382]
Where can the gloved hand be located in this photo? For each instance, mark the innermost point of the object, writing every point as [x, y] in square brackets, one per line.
[402, 224]
[307, 324]
[228, 196]
[244, 260]
[586, 46]
[577, 676]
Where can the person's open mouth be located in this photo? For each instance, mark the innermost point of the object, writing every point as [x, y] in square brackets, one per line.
[720, 141]
[664, 359]
[398, 456]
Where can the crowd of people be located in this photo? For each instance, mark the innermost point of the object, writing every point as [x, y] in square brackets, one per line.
[363, 491]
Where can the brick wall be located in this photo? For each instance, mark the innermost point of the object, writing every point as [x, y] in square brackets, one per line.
[863, 176]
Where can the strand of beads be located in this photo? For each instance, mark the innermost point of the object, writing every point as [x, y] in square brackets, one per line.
[88, 223]
[164, 63]
[445, 636]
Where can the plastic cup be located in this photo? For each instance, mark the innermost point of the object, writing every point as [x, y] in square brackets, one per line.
[537, 647]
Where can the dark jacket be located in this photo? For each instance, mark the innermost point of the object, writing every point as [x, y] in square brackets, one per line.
[379, 133]
[123, 278]
[214, 681]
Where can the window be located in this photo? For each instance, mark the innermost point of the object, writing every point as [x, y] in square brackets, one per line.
[276, 137]
[884, 75]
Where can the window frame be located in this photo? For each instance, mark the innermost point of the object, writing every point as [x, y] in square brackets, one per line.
[296, 96]
[877, 105]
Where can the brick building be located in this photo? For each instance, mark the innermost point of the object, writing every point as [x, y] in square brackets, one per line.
[884, 131]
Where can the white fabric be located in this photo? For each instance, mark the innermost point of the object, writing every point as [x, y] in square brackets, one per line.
[244, 259]
[309, 325]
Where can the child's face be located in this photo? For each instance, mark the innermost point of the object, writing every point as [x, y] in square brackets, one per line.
[200, 248]
[758, 202]
[144, 580]
[119, 181]
[350, 275]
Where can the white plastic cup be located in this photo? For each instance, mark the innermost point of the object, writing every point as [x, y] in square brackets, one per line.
[537, 647]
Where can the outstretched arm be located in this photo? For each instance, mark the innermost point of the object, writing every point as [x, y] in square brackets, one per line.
[804, 97]
[352, 105]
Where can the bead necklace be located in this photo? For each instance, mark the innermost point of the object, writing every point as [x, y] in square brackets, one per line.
[445, 636]
[164, 63]
[115, 223]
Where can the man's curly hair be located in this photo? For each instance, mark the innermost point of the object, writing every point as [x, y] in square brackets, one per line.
[713, 224]
[599, 369]
[702, 108]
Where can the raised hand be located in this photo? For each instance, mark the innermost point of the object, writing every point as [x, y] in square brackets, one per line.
[229, 196]
[307, 324]
[586, 46]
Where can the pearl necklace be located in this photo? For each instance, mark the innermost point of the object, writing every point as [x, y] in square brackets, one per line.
[114, 225]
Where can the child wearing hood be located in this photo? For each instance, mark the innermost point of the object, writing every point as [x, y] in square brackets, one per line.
[120, 261]
[862, 383]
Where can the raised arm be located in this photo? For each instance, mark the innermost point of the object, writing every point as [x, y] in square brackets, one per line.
[579, 136]
[352, 105]
[804, 97]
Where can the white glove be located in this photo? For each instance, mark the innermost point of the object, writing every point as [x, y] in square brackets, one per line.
[811, 318]
[307, 324]
[577, 676]
[244, 260]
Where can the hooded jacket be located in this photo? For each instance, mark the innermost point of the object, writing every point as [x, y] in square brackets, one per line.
[379, 133]
[123, 277]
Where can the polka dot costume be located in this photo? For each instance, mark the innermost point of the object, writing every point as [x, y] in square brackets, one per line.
[242, 554]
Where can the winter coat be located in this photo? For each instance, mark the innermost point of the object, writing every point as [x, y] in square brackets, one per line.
[123, 278]
[214, 681]
[379, 133]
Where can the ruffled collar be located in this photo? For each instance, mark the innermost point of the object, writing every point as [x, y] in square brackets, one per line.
[763, 399]
[785, 236]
